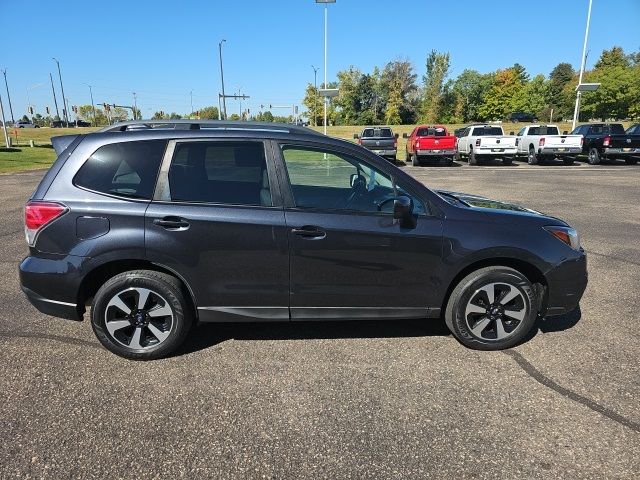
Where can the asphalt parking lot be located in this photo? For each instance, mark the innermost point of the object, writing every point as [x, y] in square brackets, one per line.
[345, 400]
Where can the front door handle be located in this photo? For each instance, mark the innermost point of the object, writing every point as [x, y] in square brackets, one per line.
[309, 232]
[171, 223]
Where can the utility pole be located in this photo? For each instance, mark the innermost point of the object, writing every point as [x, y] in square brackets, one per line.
[93, 106]
[4, 124]
[224, 102]
[191, 94]
[4, 72]
[54, 96]
[315, 86]
[135, 107]
[65, 110]
[576, 111]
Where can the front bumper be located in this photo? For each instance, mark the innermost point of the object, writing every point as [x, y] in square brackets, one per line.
[51, 284]
[560, 151]
[566, 284]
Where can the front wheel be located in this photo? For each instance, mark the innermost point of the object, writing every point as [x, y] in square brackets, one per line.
[492, 308]
[141, 315]
[594, 156]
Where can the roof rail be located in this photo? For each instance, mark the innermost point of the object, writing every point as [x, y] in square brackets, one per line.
[187, 124]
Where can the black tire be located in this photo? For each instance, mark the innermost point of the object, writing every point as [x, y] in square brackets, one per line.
[166, 291]
[415, 160]
[630, 161]
[469, 289]
[507, 160]
[472, 158]
[567, 160]
[532, 158]
[594, 156]
[407, 157]
[448, 161]
[457, 157]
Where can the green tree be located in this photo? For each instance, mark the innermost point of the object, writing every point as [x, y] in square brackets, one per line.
[561, 75]
[313, 102]
[469, 90]
[612, 58]
[160, 115]
[498, 100]
[532, 98]
[347, 100]
[433, 82]
[397, 76]
[209, 113]
[265, 116]
[521, 73]
[394, 103]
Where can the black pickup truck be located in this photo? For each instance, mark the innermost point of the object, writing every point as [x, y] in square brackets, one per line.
[602, 141]
[380, 140]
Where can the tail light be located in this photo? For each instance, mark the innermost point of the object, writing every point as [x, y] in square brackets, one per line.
[582, 141]
[607, 141]
[38, 215]
[359, 141]
[541, 142]
[477, 142]
[417, 144]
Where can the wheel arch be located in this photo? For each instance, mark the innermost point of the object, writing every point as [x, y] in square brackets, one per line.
[528, 269]
[96, 277]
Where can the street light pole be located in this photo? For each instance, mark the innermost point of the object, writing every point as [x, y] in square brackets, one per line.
[55, 101]
[135, 106]
[224, 102]
[326, 99]
[576, 111]
[4, 124]
[191, 94]
[64, 101]
[93, 106]
[315, 86]
[4, 72]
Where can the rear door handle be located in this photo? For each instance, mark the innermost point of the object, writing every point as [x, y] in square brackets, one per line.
[171, 223]
[309, 232]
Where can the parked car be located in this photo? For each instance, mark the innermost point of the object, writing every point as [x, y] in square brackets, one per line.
[25, 124]
[204, 221]
[521, 117]
[380, 140]
[485, 142]
[544, 142]
[82, 123]
[604, 141]
[633, 129]
[430, 143]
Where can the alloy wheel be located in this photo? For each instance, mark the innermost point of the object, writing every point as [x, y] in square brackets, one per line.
[495, 311]
[139, 318]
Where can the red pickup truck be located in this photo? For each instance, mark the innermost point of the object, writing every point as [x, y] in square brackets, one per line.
[430, 142]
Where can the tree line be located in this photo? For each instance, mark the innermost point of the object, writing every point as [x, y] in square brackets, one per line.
[392, 95]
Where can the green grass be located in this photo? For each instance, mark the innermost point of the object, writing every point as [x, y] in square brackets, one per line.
[25, 158]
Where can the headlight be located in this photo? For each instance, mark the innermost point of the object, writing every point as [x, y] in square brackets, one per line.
[567, 235]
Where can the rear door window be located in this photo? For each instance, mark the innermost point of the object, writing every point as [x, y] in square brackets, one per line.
[233, 173]
[127, 169]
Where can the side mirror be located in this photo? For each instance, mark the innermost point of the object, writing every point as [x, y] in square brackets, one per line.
[356, 136]
[405, 135]
[511, 133]
[396, 135]
[564, 132]
[403, 211]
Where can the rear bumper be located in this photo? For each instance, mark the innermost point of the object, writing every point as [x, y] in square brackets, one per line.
[495, 152]
[435, 153]
[566, 285]
[51, 284]
[560, 151]
[384, 152]
[621, 152]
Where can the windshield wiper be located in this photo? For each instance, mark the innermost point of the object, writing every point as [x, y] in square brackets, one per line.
[450, 195]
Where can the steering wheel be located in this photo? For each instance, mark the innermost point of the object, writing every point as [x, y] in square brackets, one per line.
[358, 187]
[384, 201]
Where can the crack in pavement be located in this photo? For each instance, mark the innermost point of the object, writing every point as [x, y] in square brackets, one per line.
[541, 378]
[613, 257]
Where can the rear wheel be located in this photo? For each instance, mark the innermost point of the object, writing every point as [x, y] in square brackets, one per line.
[594, 156]
[532, 159]
[492, 308]
[507, 160]
[415, 161]
[448, 161]
[472, 158]
[141, 315]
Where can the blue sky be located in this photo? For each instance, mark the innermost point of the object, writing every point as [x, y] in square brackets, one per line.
[163, 50]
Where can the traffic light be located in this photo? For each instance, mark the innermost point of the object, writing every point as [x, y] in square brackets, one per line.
[47, 109]
[31, 110]
[74, 108]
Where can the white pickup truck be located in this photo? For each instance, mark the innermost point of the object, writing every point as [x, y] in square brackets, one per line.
[544, 142]
[480, 142]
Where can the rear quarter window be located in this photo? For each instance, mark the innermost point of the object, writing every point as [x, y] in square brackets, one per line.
[127, 169]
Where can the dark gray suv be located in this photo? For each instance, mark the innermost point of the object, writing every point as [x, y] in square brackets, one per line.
[161, 225]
